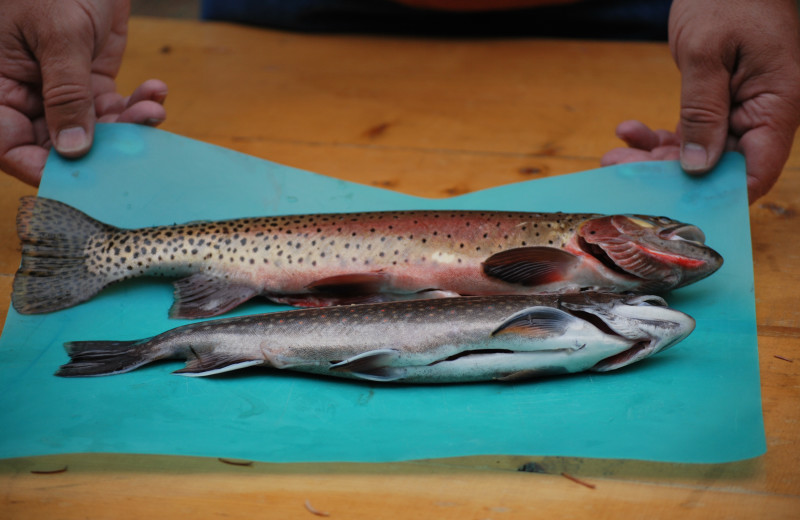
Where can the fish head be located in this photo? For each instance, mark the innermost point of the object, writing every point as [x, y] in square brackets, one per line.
[657, 252]
[645, 320]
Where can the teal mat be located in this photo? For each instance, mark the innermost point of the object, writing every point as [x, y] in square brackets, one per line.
[697, 402]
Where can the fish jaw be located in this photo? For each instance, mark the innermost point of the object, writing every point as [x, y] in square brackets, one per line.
[647, 320]
[653, 253]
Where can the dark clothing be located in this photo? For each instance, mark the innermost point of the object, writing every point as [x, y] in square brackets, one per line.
[603, 19]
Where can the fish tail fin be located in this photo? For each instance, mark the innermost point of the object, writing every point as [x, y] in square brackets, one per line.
[105, 358]
[54, 272]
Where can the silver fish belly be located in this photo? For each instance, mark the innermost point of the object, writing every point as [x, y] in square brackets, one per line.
[449, 340]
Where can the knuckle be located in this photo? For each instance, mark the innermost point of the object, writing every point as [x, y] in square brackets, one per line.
[67, 97]
[708, 115]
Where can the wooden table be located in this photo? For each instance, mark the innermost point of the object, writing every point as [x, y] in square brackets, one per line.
[430, 117]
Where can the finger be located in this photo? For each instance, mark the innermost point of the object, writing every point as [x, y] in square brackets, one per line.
[624, 155]
[65, 59]
[20, 155]
[20, 97]
[144, 113]
[667, 138]
[765, 151]
[151, 90]
[110, 105]
[637, 135]
[705, 105]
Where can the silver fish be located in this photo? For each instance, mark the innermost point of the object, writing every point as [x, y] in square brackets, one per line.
[329, 259]
[506, 338]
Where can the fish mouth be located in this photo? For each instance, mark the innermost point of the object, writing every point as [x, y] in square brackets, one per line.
[645, 320]
[639, 350]
[686, 232]
[665, 255]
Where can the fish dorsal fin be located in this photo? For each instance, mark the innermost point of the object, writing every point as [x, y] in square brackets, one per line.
[203, 296]
[537, 322]
[530, 266]
[373, 365]
[350, 284]
[210, 363]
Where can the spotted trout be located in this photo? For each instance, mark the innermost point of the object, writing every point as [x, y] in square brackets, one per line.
[478, 338]
[340, 258]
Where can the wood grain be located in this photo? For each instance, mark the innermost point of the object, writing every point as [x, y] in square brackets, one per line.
[430, 117]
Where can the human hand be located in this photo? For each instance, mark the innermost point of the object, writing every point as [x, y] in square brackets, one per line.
[740, 90]
[58, 61]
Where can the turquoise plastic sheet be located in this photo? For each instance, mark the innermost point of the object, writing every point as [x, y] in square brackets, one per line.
[697, 402]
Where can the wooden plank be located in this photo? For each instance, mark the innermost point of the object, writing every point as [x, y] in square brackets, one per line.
[525, 98]
[162, 487]
[10, 192]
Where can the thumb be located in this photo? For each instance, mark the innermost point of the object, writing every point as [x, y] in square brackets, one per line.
[66, 67]
[704, 116]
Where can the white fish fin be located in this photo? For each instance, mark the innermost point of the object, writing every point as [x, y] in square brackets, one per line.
[533, 373]
[209, 364]
[374, 365]
[537, 322]
[204, 296]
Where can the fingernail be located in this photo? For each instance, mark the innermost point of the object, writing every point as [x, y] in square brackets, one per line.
[71, 140]
[694, 157]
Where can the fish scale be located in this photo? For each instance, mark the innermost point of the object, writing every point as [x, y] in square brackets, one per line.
[332, 241]
[341, 258]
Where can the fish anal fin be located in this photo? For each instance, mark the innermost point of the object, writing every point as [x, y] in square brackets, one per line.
[530, 266]
[374, 365]
[204, 296]
[537, 322]
[534, 373]
[350, 284]
[209, 364]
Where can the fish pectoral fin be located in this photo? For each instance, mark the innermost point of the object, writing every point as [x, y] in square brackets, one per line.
[374, 365]
[530, 266]
[350, 284]
[537, 322]
[203, 296]
[209, 364]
